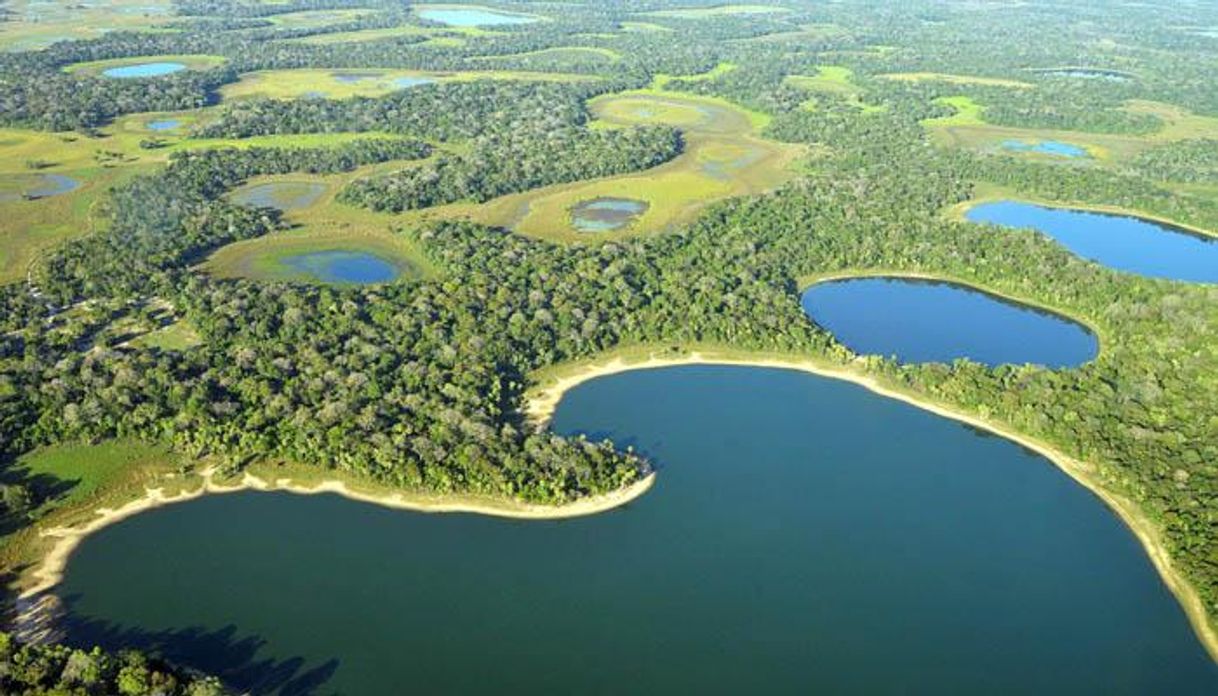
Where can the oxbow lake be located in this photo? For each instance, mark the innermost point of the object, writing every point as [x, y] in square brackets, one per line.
[143, 70]
[457, 17]
[920, 321]
[804, 536]
[1121, 242]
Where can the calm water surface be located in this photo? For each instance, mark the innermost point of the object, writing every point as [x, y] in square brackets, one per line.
[472, 17]
[344, 267]
[1045, 147]
[143, 70]
[163, 125]
[281, 195]
[1118, 241]
[407, 82]
[606, 214]
[805, 536]
[34, 186]
[926, 321]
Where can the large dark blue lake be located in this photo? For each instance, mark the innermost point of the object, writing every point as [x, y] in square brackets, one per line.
[1122, 242]
[920, 321]
[804, 536]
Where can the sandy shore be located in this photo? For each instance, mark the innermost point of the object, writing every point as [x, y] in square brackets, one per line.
[543, 401]
[50, 571]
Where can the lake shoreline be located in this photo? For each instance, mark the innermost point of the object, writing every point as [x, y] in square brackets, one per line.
[37, 599]
[541, 403]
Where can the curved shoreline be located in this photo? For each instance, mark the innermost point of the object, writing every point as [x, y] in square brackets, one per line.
[542, 402]
[49, 573]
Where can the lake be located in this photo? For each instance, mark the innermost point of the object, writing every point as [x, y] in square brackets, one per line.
[34, 186]
[1087, 73]
[929, 321]
[408, 82]
[143, 70]
[606, 214]
[804, 536]
[342, 267]
[1121, 242]
[281, 195]
[163, 125]
[472, 17]
[1045, 147]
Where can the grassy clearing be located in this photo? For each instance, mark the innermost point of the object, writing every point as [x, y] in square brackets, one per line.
[81, 469]
[451, 36]
[326, 225]
[957, 79]
[37, 25]
[605, 55]
[968, 113]
[180, 335]
[723, 157]
[835, 81]
[343, 84]
[718, 11]
[312, 19]
[661, 80]
[806, 32]
[644, 26]
[192, 62]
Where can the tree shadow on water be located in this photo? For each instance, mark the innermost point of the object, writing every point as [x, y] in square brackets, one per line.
[222, 653]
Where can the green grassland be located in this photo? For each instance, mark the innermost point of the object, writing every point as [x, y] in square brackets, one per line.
[603, 55]
[446, 36]
[37, 25]
[723, 157]
[292, 84]
[957, 79]
[312, 19]
[192, 62]
[326, 225]
[718, 11]
[179, 335]
[834, 81]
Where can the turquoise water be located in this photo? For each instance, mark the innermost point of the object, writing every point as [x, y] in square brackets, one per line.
[281, 195]
[926, 321]
[408, 82]
[606, 214]
[805, 536]
[472, 17]
[35, 186]
[1121, 242]
[143, 70]
[163, 125]
[1045, 147]
[343, 267]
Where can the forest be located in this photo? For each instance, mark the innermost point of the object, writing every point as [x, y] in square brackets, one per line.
[419, 384]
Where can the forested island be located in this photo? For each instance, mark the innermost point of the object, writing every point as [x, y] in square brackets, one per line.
[135, 353]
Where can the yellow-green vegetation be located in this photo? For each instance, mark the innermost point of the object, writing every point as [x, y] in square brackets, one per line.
[558, 53]
[77, 478]
[325, 225]
[644, 26]
[180, 335]
[835, 81]
[806, 32]
[310, 19]
[37, 24]
[192, 62]
[446, 36]
[723, 157]
[661, 80]
[966, 129]
[968, 112]
[343, 84]
[718, 10]
[957, 79]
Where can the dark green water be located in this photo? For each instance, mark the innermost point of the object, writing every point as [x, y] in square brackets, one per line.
[804, 536]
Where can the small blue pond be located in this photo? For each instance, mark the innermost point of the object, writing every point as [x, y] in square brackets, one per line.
[920, 321]
[281, 195]
[606, 214]
[35, 186]
[408, 82]
[469, 17]
[1045, 147]
[1121, 242]
[343, 267]
[353, 77]
[163, 125]
[143, 70]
